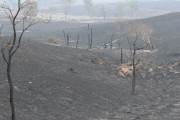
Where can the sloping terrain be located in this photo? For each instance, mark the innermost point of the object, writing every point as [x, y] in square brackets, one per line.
[165, 36]
[62, 83]
[59, 83]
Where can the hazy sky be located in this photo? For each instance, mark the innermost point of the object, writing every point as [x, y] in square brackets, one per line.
[94, 1]
[49, 2]
[77, 1]
[100, 1]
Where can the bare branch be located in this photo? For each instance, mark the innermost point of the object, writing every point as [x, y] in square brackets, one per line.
[2, 51]
[130, 46]
[10, 48]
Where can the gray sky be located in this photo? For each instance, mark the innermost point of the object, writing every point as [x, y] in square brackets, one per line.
[49, 2]
[77, 1]
[100, 1]
[81, 1]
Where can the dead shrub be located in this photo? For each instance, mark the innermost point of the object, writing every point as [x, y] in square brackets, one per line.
[52, 40]
[125, 69]
[99, 61]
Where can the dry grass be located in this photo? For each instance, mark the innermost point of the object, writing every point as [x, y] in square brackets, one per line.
[100, 61]
[52, 40]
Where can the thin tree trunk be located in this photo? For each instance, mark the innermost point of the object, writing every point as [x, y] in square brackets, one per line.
[91, 38]
[1, 28]
[121, 55]
[111, 42]
[67, 39]
[134, 73]
[77, 43]
[89, 46]
[11, 95]
[64, 36]
[88, 37]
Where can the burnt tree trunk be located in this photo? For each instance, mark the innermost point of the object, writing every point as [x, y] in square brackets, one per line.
[64, 37]
[1, 28]
[77, 42]
[11, 90]
[121, 55]
[134, 70]
[11, 46]
[89, 37]
[111, 42]
[67, 39]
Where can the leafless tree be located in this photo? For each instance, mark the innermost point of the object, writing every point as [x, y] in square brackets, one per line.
[121, 56]
[119, 33]
[133, 48]
[67, 4]
[64, 36]
[89, 7]
[77, 42]
[123, 6]
[11, 46]
[120, 48]
[90, 37]
[31, 10]
[111, 41]
[133, 40]
[120, 6]
[145, 33]
[132, 6]
[103, 11]
[67, 39]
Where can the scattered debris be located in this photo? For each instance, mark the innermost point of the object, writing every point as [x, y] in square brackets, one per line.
[71, 70]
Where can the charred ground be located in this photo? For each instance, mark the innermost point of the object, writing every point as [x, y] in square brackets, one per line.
[62, 83]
